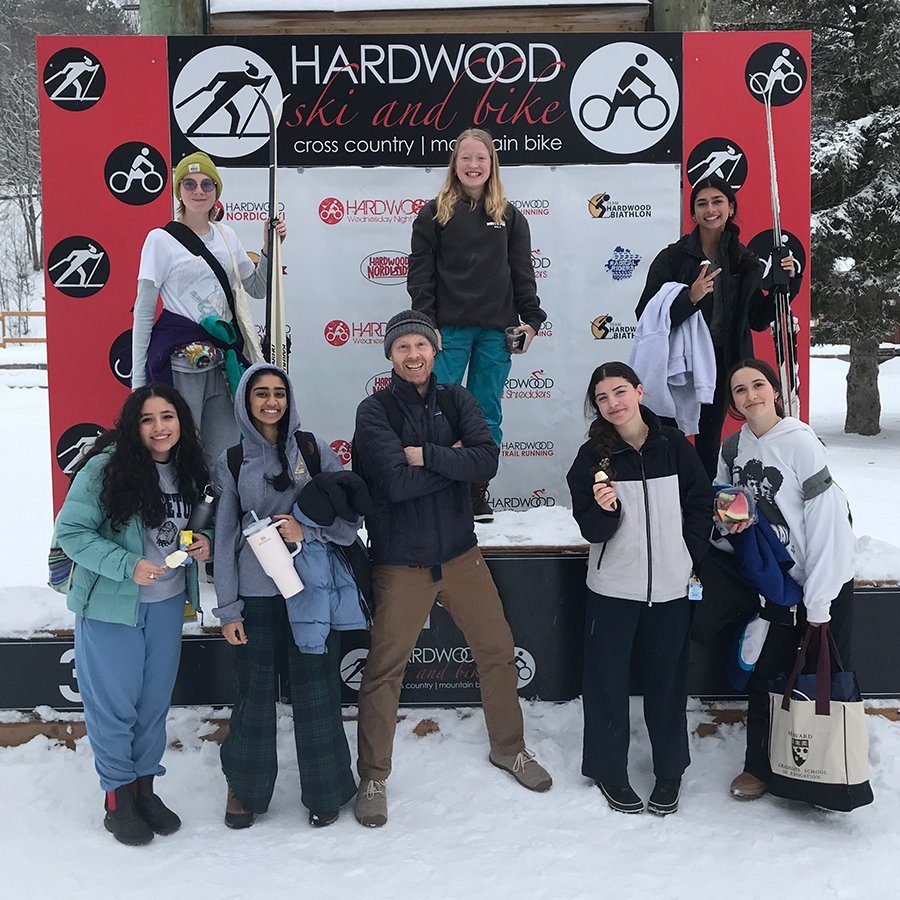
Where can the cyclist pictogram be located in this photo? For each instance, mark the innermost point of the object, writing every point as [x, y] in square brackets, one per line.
[331, 211]
[136, 173]
[625, 97]
[337, 333]
[776, 74]
[635, 90]
[525, 666]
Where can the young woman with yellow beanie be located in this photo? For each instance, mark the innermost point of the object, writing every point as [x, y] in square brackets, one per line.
[196, 345]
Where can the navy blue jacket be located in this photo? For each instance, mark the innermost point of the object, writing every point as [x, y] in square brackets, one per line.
[423, 514]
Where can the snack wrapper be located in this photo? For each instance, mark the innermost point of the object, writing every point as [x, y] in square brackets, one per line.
[734, 504]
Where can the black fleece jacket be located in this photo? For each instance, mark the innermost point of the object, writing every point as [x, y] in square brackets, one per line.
[747, 306]
[423, 514]
[473, 272]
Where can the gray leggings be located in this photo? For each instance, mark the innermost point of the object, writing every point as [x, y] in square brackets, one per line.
[206, 394]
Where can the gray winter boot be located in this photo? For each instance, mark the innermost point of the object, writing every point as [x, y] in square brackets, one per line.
[525, 769]
[371, 803]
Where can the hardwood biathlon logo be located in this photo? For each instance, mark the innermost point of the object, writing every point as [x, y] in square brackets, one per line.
[78, 266]
[217, 101]
[719, 156]
[776, 73]
[605, 328]
[624, 97]
[602, 206]
[136, 173]
[74, 79]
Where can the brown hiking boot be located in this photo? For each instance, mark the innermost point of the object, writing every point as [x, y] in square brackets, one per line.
[525, 769]
[236, 814]
[748, 787]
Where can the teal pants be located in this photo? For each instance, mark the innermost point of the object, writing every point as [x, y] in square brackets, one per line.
[484, 351]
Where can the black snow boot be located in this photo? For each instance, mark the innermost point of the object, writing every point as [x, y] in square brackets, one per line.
[481, 508]
[152, 810]
[122, 819]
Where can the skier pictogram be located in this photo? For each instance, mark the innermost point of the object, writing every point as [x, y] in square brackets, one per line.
[79, 262]
[74, 84]
[225, 88]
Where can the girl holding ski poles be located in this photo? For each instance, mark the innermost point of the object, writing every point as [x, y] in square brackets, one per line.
[204, 337]
[470, 272]
[122, 517]
[271, 477]
[641, 498]
[783, 464]
[723, 282]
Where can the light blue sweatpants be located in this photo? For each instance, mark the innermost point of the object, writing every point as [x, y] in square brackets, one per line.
[125, 676]
[484, 351]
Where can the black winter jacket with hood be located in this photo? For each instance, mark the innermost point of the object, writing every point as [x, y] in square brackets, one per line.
[423, 514]
[747, 306]
[645, 549]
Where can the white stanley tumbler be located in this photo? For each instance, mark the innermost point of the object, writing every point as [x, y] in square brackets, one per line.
[276, 560]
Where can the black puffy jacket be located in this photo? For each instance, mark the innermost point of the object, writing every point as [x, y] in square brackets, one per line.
[423, 514]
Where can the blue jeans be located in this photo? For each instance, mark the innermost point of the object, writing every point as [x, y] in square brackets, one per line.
[484, 351]
[125, 676]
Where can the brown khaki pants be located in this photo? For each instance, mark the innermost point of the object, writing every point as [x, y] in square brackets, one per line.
[404, 597]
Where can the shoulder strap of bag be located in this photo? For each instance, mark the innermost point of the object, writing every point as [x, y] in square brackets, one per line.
[192, 243]
[730, 449]
[391, 408]
[234, 265]
[306, 444]
[447, 403]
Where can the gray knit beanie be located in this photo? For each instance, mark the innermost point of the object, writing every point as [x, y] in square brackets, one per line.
[408, 322]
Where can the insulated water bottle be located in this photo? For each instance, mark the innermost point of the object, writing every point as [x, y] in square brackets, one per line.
[276, 560]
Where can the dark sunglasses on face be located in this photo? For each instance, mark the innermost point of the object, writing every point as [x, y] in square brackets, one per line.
[189, 184]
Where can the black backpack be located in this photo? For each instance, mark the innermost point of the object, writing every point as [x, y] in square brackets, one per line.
[446, 403]
[355, 556]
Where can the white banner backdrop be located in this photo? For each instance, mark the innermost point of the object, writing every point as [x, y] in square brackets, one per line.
[594, 232]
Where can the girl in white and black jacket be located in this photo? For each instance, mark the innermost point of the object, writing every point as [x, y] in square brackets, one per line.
[782, 462]
[648, 524]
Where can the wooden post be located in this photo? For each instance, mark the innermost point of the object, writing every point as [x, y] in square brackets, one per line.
[682, 15]
[170, 17]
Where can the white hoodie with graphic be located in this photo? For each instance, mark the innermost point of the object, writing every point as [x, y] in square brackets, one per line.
[787, 472]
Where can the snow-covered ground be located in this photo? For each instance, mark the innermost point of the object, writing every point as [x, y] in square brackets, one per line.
[458, 827]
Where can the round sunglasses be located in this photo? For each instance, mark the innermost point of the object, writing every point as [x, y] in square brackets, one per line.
[190, 184]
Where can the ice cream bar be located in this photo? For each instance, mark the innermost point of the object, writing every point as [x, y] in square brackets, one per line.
[174, 560]
[600, 477]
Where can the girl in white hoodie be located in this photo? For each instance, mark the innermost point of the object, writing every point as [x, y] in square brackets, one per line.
[783, 463]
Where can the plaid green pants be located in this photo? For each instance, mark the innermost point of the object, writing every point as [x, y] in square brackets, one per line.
[249, 754]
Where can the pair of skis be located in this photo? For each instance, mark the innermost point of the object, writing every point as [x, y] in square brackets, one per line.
[784, 328]
[275, 342]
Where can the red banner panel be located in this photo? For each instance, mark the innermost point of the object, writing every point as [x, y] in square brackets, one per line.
[106, 182]
[726, 78]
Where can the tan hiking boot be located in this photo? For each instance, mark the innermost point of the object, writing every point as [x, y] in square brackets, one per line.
[371, 803]
[748, 787]
[525, 769]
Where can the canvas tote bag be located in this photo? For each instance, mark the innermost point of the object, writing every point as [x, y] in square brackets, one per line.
[818, 744]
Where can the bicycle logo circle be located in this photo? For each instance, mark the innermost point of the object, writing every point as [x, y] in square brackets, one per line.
[625, 97]
[776, 74]
[331, 211]
[525, 666]
[343, 450]
[136, 173]
[337, 333]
